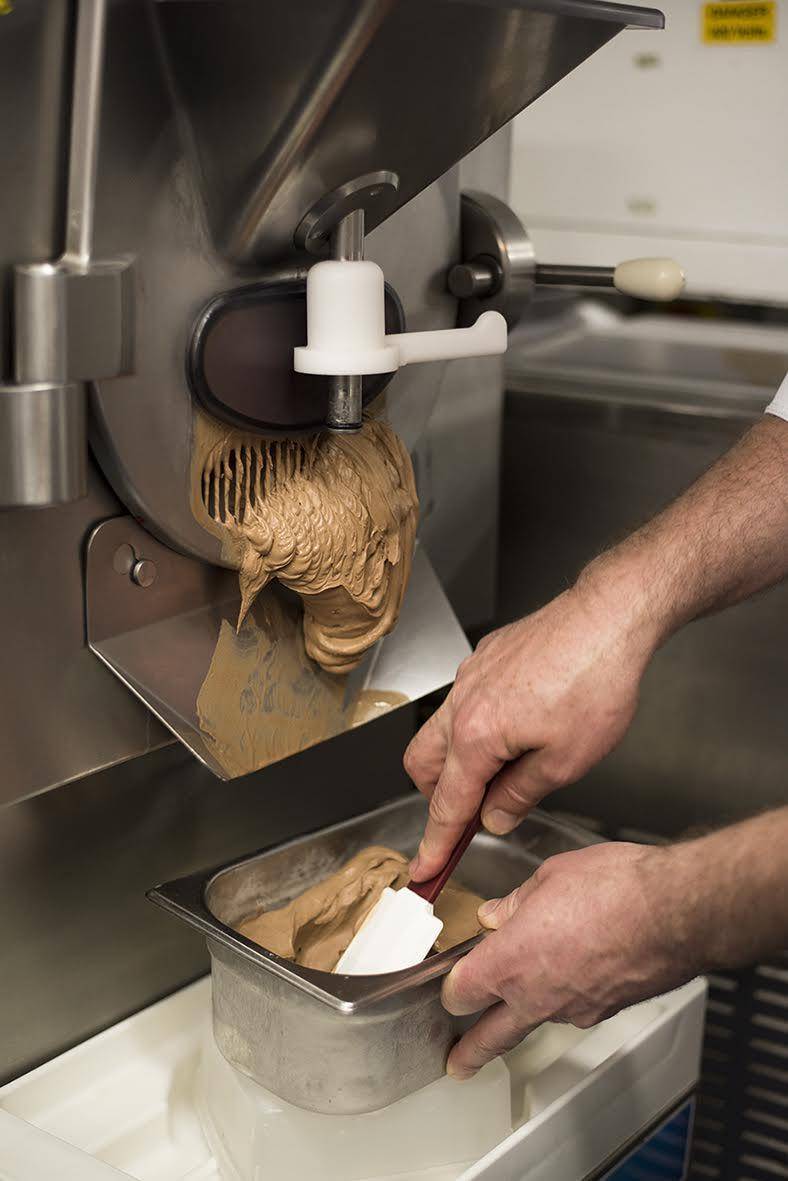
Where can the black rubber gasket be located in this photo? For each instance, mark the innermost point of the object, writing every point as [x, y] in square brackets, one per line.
[239, 362]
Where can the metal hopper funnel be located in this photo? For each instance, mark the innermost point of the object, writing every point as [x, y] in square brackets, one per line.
[284, 102]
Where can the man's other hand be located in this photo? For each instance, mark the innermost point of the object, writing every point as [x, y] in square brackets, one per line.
[534, 707]
[590, 933]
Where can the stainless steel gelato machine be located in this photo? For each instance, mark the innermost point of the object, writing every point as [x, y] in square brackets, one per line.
[231, 226]
[245, 257]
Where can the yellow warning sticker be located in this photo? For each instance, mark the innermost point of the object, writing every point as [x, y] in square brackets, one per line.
[740, 22]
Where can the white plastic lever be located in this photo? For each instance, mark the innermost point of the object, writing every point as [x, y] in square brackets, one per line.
[486, 338]
[346, 327]
[650, 278]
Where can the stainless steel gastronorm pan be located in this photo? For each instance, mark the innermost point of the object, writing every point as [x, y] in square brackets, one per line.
[341, 1044]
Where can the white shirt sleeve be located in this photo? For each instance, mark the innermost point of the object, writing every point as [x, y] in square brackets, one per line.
[779, 403]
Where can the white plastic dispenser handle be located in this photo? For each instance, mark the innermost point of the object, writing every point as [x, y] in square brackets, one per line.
[346, 331]
[650, 278]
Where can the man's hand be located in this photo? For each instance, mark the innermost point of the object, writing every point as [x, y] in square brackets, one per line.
[584, 937]
[542, 700]
[536, 705]
[594, 931]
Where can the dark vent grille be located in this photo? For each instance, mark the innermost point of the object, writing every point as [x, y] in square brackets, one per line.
[741, 1129]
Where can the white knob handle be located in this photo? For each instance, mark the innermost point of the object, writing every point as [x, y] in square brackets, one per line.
[650, 278]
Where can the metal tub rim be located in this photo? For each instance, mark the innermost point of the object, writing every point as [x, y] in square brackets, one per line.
[186, 898]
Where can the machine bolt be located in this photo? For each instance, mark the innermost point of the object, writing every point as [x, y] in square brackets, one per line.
[144, 572]
[478, 278]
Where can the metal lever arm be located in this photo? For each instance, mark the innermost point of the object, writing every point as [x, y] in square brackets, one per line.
[499, 271]
[659, 279]
[346, 391]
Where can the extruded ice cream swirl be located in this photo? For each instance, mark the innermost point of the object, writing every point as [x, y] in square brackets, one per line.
[332, 517]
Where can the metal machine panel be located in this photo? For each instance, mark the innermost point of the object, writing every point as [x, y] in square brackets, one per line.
[34, 63]
[63, 714]
[458, 456]
[347, 90]
[350, 89]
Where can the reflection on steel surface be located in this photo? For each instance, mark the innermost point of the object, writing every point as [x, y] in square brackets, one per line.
[354, 89]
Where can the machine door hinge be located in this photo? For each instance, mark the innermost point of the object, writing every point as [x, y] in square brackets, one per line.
[72, 322]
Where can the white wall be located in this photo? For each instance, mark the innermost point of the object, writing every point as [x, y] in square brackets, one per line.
[662, 144]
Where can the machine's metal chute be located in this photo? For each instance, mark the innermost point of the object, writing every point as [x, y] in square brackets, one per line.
[165, 625]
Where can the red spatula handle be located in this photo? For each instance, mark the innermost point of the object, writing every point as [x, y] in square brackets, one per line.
[430, 889]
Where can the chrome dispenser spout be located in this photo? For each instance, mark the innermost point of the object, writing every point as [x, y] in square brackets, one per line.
[345, 391]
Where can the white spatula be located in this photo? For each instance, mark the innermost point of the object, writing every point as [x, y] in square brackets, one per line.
[401, 928]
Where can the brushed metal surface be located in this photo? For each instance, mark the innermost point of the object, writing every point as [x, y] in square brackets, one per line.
[81, 946]
[44, 456]
[43, 428]
[340, 1044]
[342, 85]
[457, 457]
[69, 318]
[356, 88]
[34, 65]
[590, 453]
[89, 69]
[147, 205]
[62, 714]
[72, 321]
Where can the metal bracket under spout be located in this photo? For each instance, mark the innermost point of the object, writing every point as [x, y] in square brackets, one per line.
[163, 624]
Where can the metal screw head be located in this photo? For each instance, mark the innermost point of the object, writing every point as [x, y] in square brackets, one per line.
[479, 277]
[144, 572]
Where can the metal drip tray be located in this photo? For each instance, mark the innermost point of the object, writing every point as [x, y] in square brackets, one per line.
[330, 1043]
[160, 640]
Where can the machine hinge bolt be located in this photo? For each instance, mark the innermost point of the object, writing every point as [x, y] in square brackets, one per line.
[143, 572]
[479, 278]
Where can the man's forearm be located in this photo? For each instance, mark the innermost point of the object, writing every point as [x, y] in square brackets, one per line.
[729, 893]
[725, 538]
